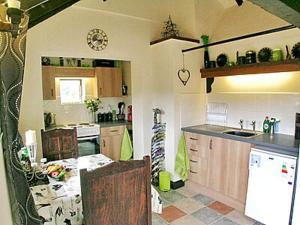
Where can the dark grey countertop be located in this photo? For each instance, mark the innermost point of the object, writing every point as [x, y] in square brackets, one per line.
[114, 123]
[278, 143]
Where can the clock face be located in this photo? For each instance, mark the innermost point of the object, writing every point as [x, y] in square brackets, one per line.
[97, 39]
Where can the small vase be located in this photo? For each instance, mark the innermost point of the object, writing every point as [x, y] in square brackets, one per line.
[206, 54]
[93, 117]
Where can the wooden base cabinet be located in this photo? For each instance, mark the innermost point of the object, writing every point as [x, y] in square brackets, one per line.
[220, 165]
[111, 141]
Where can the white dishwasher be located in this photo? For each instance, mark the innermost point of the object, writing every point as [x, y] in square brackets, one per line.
[270, 187]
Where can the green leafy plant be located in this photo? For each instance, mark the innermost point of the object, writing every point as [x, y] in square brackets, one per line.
[92, 104]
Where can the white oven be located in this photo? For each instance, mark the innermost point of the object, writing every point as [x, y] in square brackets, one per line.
[88, 139]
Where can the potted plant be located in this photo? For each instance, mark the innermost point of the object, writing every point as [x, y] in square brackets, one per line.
[93, 105]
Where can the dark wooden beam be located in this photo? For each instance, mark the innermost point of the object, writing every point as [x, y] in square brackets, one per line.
[288, 10]
[40, 10]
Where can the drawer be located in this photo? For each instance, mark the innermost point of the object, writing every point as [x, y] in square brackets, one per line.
[110, 131]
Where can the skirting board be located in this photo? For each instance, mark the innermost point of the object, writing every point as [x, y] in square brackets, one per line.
[216, 195]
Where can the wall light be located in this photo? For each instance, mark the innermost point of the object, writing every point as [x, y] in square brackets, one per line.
[11, 17]
[260, 81]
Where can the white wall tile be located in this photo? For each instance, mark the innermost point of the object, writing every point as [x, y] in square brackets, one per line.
[256, 106]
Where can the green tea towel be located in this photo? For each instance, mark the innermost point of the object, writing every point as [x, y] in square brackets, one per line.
[126, 148]
[182, 163]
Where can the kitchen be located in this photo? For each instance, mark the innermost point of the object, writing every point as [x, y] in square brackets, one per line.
[106, 80]
[147, 76]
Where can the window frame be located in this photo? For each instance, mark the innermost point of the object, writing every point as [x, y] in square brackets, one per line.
[81, 90]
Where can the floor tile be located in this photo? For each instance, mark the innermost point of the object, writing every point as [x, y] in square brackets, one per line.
[224, 221]
[220, 207]
[157, 220]
[171, 213]
[240, 218]
[206, 215]
[188, 192]
[187, 220]
[171, 196]
[188, 205]
[205, 200]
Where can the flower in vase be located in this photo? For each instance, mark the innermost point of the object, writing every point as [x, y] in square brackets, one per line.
[92, 104]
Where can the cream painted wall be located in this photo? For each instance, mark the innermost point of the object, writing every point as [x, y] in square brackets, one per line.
[155, 11]
[5, 211]
[170, 95]
[255, 96]
[65, 35]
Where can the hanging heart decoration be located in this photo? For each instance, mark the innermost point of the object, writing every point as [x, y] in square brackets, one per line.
[184, 76]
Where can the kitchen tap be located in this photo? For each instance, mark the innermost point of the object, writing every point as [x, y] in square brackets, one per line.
[253, 124]
[241, 123]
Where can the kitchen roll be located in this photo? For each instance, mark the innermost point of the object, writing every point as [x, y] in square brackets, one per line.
[30, 137]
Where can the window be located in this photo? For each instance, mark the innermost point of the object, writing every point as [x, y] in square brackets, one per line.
[71, 91]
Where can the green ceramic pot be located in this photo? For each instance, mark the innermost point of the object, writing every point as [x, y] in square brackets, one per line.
[277, 55]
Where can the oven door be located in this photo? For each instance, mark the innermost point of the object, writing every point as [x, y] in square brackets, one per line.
[88, 145]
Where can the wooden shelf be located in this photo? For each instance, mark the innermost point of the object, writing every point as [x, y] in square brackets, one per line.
[175, 38]
[257, 68]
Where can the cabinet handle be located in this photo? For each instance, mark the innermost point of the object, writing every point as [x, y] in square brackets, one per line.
[193, 161]
[114, 131]
[193, 171]
[103, 143]
[52, 92]
[193, 150]
[194, 139]
[210, 144]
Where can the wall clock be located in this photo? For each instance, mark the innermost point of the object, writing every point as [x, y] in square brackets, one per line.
[97, 39]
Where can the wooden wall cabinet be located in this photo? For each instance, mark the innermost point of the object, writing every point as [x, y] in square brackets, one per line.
[111, 141]
[48, 80]
[59, 144]
[221, 166]
[109, 81]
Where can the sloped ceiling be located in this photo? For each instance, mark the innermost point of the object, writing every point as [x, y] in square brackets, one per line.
[289, 10]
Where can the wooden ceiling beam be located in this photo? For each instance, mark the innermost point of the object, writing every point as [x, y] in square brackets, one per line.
[288, 10]
[40, 10]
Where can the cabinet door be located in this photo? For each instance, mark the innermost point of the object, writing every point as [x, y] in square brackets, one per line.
[109, 81]
[198, 151]
[111, 146]
[48, 80]
[106, 146]
[237, 170]
[217, 164]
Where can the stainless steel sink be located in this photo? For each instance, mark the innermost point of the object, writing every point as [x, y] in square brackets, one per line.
[242, 133]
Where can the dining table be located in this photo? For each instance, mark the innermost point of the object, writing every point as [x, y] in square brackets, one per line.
[60, 203]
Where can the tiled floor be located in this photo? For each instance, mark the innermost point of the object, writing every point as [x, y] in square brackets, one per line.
[185, 206]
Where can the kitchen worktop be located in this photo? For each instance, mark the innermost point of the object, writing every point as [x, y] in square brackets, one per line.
[114, 123]
[278, 143]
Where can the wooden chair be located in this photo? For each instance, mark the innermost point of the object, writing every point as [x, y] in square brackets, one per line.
[117, 194]
[59, 144]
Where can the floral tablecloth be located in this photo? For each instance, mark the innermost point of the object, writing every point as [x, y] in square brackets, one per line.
[59, 202]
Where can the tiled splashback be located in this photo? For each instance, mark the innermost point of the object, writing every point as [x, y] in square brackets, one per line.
[77, 113]
[256, 106]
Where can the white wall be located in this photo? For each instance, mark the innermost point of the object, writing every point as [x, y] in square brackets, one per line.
[181, 105]
[251, 107]
[65, 35]
[5, 211]
[255, 96]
